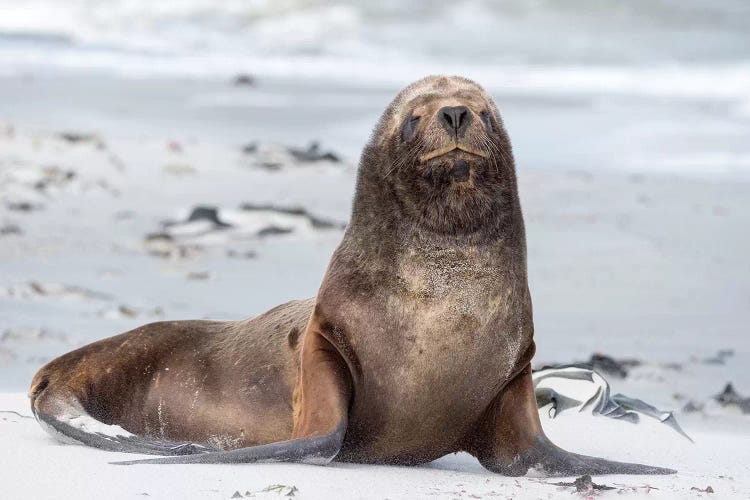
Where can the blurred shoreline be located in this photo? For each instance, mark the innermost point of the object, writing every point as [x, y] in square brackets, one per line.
[695, 136]
[513, 32]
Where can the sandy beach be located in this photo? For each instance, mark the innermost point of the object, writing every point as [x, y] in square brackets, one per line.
[198, 161]
[650, 266]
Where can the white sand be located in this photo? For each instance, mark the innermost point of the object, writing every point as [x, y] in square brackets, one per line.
[651, 266]
[39, 467]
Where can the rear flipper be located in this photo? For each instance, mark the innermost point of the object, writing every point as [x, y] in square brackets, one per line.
[509, 440]
[63, 416]
[114, 438]
[316, 450]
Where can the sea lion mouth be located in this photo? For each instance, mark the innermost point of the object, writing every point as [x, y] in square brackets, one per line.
[448, 149]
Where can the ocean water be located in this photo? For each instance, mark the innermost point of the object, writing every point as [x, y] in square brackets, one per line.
[585, 43]
[671, 77]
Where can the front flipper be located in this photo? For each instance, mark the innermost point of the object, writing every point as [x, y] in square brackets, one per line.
[509, 440]
[321, 402]
[552, 460]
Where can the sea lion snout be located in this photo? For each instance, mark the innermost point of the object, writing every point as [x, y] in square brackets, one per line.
[447, 125]
[455, 119]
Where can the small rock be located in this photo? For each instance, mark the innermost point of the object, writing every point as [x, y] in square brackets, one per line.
[313, 153]
[273, 157]
[585, 485]
[75, 137]
[708, 489]
[287, 491]
[271, 165]
[126, 312]
[160, 244]
[9, 229]
[720, 357]
[236, 254]
[200, 275]
[23, 206]
[244, 79]
[274, 231]
[730, 397]
[210, 214]
[692, 407]
[54, 176]
[165, 246]
[607, 364]
[237, 494]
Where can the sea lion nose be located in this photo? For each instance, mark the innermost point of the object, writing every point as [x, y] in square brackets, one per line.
[454, 118]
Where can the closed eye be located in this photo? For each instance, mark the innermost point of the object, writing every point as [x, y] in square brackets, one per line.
[487, 120]
[410, 127]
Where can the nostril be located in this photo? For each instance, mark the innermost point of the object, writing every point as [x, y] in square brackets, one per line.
[455, 118]
[461, 118]
[448, 119]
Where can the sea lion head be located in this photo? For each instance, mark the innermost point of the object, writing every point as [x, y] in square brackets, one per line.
[441, 149]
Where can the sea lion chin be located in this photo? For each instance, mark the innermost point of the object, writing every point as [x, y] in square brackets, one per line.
[418, 344]
[460, 171]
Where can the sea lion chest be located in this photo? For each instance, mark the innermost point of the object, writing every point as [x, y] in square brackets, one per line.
[433, 341]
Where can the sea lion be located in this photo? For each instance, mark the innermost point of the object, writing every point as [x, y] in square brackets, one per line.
[418, 343]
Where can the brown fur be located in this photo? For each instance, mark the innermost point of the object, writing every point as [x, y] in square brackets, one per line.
[203, 381]
[418, 343]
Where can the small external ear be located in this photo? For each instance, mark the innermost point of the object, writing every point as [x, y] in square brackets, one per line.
[409, 128]
[487, 121]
